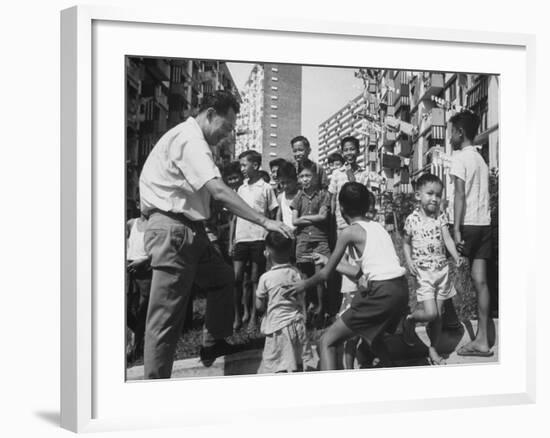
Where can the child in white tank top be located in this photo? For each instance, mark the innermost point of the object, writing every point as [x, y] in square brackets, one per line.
[379, 306]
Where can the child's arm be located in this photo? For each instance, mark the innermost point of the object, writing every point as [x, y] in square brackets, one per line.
[261, 296]
[459, 203]
[279, 216]
[450, 245]
[232, 222]
[344, 239]
[407, 250]
[299, 221]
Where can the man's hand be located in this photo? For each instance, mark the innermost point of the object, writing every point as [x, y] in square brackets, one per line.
[459, 262]
[135, 264]
[459, 243]
[271, 225]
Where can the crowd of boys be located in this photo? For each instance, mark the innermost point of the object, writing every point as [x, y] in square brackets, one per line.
[337, 268]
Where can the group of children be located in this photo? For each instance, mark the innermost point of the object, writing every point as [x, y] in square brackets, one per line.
[273, 273]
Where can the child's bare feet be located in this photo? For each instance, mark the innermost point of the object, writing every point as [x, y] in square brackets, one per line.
[237, 323]
[435, 358]
[245, 317]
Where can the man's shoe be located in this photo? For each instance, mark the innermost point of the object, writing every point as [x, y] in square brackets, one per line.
[209, 354]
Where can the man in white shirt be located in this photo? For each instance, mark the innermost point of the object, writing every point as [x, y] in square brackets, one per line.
[177, 182]
[472, 219]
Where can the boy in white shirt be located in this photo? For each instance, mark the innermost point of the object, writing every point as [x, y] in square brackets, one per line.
[249, 237]
[425, 242]
[472, 219]
[286, 348]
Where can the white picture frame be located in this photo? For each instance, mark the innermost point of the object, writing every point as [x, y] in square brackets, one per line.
[91, 385]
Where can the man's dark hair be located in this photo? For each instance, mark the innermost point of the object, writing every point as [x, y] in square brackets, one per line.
[277, 242]
[301, 138]
[335, 156]
[427, 178]
[468, 121]
[221, 101]
[264, 175]
[287, 170]
[231, 169]
[311, 166]
[277, 162]
[354, 199]
[252, 156]
[350, 139]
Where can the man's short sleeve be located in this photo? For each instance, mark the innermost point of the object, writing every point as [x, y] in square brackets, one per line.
[194, 158]
[443, 219]
[457, 167]
[325, 199]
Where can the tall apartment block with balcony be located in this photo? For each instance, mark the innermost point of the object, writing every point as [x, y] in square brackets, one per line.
[160, 93]
[271, 111]
[346, 121]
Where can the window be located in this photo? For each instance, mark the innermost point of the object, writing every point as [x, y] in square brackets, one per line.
[274, 69]
[452, 91]
[273, 135]
[274, 78]
[273, 125]
[273, 116]
[273, 97]
[274, 88]
[273, 154]
[273, 145]
[274, 107]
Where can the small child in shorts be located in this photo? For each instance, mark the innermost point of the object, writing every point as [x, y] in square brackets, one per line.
[286, 346]
[425, 242]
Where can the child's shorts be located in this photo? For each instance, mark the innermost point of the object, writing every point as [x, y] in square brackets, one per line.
[378, 309]
[434, 284]
[288, 350]
[347, 298]
[477, 241]
[250, 251]
[305, 247]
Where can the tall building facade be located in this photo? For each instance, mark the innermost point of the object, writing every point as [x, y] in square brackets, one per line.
[160, 93]
[402, 122]
[271, 111]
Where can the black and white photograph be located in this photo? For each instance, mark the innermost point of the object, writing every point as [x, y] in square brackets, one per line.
[287, 218]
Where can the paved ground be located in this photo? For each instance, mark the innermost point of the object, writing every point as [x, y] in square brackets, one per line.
[248, 362]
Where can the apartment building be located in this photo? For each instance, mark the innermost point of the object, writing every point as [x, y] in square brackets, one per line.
[271, 111]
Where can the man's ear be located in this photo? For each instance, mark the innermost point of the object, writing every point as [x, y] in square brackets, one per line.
[417, 195]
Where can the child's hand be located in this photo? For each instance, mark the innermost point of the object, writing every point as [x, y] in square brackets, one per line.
[459, 261]
[412, 268]
[293, 289]
[319, 259]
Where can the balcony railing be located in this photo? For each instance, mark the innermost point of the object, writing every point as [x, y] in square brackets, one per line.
[435, 117]
[432, 85]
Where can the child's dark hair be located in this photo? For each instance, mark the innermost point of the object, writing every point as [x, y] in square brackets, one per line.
[301, 138]
[427, 178]
[277, 162]
[468, 121]
[350, 139]
[372, 199]
[354, 199]
[252, 156]
[264, 175]
[287, 170]
[335, 156]
[231, 169]
[280, 244]
[311, 166]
